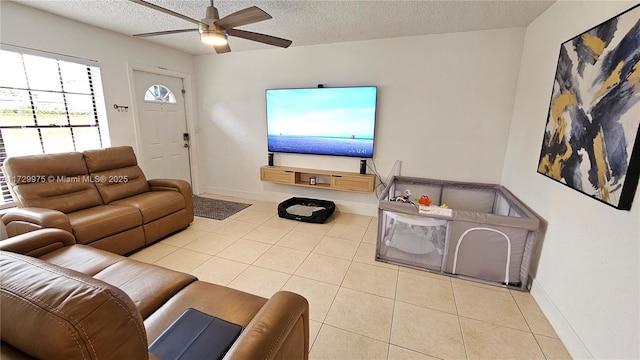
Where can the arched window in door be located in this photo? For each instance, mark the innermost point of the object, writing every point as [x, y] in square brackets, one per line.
[159, 93]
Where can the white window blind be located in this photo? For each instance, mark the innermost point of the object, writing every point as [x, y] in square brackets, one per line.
[48, 105]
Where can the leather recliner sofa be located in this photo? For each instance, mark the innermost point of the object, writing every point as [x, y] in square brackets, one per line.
[100, 196]
[62, 300]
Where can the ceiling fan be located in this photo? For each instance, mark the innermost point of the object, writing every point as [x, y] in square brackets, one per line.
[214, 31]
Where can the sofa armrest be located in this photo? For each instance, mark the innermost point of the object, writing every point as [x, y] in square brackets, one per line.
[51, 312]
[39, 242]
[22, 220]
[280, 330]
[178, 185]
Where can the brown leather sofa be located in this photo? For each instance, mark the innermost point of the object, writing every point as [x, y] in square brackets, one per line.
[100, 196]
[62, 300]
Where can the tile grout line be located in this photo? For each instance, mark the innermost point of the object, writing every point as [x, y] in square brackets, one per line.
[334, 298]
[393, 313]
[528, 326]
[455, 302]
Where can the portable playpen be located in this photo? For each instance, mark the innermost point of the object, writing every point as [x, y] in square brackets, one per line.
[486, 234]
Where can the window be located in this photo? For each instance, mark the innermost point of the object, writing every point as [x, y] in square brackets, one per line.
[48, 106]
[159, 93]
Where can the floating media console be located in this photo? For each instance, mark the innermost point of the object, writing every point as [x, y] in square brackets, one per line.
[325, 179]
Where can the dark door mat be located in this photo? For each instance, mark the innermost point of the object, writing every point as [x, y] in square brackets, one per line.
[216, 209]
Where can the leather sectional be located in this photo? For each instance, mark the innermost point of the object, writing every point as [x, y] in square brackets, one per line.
[62, 300]
[100, 196]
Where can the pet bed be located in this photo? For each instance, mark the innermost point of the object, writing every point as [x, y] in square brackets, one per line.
[306, 210]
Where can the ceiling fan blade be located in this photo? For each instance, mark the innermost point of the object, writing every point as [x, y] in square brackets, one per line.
[265, 39]
[166, 11]
[164, 32]
[246, 16]
[221, 49]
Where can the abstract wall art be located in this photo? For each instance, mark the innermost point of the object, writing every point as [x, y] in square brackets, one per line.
[591, 140]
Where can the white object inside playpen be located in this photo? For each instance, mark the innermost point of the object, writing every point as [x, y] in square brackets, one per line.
[415, 235]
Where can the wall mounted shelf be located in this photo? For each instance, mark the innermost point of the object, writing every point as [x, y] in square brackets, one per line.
[324, 179]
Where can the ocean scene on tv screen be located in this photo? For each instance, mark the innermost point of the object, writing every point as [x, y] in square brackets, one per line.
[325, 121]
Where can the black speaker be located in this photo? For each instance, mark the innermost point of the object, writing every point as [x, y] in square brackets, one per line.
[363, 166]
[270, 159]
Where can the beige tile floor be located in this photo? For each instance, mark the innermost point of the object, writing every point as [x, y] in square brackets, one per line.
[359, 308]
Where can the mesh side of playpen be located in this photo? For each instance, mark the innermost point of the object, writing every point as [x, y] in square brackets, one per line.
[489, 234]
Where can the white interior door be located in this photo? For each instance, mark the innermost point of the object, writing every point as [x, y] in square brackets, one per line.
[162, 125]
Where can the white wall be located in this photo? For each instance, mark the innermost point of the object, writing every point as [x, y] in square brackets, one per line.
[588, 277]
[31, 28]
[444, 107]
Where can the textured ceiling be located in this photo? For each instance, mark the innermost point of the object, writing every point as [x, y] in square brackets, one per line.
[303, 21]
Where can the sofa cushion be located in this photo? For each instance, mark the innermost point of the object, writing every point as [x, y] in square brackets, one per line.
[54, 181]
[49, 312]
[122, 243]
[82, 258]
[155, 204]
[109, 158]
[116, 173]
[101, 221]
[149, 286]
[120, 183]
[158, 229]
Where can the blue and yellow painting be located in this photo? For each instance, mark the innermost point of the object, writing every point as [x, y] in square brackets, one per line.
[594, 114]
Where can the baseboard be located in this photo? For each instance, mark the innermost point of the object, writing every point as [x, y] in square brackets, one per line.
[343, 206]
[571, 340]
[357, 208]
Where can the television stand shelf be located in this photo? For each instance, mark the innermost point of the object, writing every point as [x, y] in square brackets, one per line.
[324, 179]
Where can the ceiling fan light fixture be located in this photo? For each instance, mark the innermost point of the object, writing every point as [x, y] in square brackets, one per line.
[212, 37]
[214, 30]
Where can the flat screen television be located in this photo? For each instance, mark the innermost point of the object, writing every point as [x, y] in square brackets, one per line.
[323, 121]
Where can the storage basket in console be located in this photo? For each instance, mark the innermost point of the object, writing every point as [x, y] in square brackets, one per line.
[306, 210]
